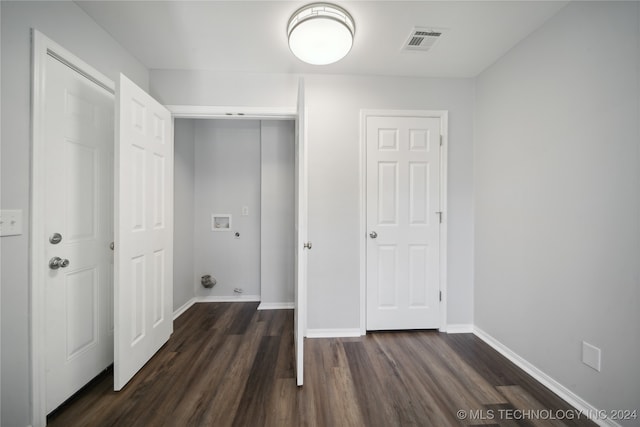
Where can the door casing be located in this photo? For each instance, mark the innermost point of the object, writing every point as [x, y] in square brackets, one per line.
[43, 46]
[443, 115]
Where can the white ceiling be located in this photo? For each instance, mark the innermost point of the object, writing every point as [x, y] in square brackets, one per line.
[250, 36]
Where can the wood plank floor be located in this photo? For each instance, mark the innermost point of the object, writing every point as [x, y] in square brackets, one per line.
[228, 364]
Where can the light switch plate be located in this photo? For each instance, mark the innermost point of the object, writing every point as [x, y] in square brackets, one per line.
[10, 222]
[591, 355]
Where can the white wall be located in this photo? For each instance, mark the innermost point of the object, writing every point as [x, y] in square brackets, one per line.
[557, 200]
[334, 104]
[227, 177]
[277, 208]
[184, 206]
[69, 26]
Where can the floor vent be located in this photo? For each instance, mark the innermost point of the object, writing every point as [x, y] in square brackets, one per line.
[423, 39]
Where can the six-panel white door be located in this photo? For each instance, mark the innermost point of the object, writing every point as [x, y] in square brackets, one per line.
[403, 201]
[144, 230]
[78, 187]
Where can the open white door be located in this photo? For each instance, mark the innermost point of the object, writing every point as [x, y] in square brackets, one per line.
[77, 219]
[143, 285]
[300, 308]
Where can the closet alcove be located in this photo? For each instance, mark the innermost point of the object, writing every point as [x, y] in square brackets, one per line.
[244, 169]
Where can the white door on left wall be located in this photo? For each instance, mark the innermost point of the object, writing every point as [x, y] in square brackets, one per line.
[79, 135]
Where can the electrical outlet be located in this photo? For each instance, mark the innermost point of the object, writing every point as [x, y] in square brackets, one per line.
[591, 355]
[245, 211]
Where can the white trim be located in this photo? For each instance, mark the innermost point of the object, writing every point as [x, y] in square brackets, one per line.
[564, 393]
[276, 306]
[363, 221]
[186, 306]
[444, 208]
[460, 328]
[229, 298]
[41, 45]
[204, 112]
[443, 115]
[333, 333]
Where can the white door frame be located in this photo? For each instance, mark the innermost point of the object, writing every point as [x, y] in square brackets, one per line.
[443, 115]
[221, 112]
[43, 47]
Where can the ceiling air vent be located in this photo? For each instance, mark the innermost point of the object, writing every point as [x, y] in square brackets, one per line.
[423, 39]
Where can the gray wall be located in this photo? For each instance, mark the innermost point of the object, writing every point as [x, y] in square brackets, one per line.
[277, 207]
[334, 104]
[69, 26]
[184, 211]
[227, 177]
[557, 186]
[191, 87]
[557, 200]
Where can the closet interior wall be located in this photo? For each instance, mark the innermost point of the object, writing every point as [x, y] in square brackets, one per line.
[244, 169]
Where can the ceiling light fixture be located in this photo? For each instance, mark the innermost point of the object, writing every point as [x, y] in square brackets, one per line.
[320, 33]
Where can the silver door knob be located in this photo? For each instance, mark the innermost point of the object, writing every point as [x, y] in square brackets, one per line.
[57, 262]
[373, 234]
[307, 245]
[55, 238]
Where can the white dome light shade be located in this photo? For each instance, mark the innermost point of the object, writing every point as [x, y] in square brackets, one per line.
[320, 33]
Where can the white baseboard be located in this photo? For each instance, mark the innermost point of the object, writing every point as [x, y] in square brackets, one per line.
[186, 306]
[461, 328]
[553, 385]
[231, 298]
[276, 306]
[333, 333]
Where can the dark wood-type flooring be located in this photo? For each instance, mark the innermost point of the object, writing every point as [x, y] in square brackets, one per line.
[228, 364]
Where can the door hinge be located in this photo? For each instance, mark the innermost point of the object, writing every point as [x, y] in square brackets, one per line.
[440, 296]
[439, 216]
[441, 140]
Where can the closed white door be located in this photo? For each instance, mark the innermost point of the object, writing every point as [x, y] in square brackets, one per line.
[78, 224]
[403, 201]
[143, 285]
[302, 245]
